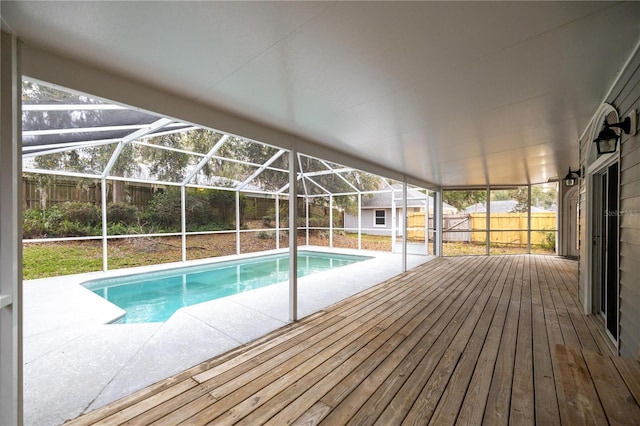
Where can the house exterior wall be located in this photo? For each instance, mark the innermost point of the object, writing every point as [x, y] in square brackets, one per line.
[625, 97]
[367, 222]
[351, 221]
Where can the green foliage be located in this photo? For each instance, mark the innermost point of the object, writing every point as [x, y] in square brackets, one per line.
[33, 225]
[348, 203]
[256, 154]
[163, 164]
[541, 196]
[323, 235]
[118, 228]
[204, 210]
[223, 204]
[68, 220]
[463, 199]
[521, 195]
[502, 194]
[544, 196]
[86, 214]
[122, 213]
[164, 209]
[266, 235]
[319, 222]
[283, 215]
[249, 209]
[549, 241]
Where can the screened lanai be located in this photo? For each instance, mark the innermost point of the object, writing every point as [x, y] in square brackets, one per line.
[189, 184]
[197, 181]
[129, 185]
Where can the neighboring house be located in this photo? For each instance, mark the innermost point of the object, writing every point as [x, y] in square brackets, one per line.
[377, 210]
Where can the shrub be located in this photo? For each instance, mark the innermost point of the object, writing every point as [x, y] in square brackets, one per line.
[266, 235]
[67, 228]
[164, 210]
[197, 211]
[204, 210]
[32, 229]
[84, 214]
[118, 229]
[223, 203]
[33, 224]
[122, 213]
[549, 241]
[319, 222]
[40, 223]
[249, 210]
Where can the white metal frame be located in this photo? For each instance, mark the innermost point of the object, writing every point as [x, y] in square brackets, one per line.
[297, 175]
[11, 358]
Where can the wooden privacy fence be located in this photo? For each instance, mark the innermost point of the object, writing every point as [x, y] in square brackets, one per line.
[511, 228]
[506, 228]
[456, 227]
[36, 194]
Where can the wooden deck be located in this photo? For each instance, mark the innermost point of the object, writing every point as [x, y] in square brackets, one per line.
[596, 388]
[466, 340]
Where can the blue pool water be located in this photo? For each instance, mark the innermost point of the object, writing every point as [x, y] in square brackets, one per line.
[155, 296]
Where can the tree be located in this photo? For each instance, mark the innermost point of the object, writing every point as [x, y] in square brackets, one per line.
[88, 159]
[235, 161]
[463, 199]
[544, 196]
[521, 195]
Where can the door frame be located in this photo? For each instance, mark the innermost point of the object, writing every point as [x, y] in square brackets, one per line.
[570, 223]
[593, 171]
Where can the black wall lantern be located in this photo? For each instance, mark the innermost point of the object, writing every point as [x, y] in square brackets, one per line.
[607, 140]
[571, 177]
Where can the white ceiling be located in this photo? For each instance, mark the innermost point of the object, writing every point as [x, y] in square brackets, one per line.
[453, 93]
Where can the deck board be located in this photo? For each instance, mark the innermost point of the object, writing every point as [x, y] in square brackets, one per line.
[442, 397]
[474, 401]
[546, 403]
[522, 392]
[468, 340]
[497, 408]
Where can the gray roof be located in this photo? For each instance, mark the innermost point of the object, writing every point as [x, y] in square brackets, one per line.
[504, 206]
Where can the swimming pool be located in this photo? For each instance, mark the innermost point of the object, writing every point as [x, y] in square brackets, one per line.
[155, 296]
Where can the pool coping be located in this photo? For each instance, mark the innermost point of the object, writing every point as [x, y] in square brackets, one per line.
[76, 361]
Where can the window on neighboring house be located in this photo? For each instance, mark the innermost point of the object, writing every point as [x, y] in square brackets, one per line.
[380, 218]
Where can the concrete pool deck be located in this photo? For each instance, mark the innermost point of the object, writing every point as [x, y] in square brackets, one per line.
[75, 361]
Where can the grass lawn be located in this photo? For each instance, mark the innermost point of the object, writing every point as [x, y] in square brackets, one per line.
[50, 259]
[42, 260]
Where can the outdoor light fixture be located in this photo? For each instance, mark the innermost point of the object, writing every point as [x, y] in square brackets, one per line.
[571, 177]
[607, 140]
